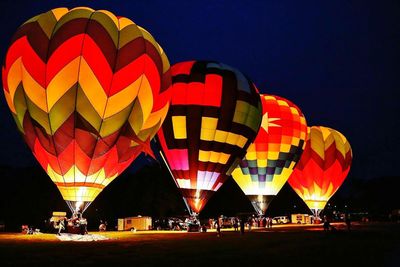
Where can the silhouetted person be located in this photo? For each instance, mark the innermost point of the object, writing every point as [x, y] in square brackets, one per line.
[348, 222]
[250, 222]
[102, 226]
[82, 226]
[242, 226]
[269, 222]
[326, 224]
[44, 227]
[61, 226]
[218, 228]
[235, 224]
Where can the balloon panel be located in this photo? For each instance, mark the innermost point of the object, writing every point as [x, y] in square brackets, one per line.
[215, 114]
[88, 90]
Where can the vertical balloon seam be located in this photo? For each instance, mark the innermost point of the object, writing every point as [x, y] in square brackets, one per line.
[48, 111]
[23, 93]
[26, 35]
[195, 179]
[216, 168]
[174, 172]
[174, 141]
[105, 108]
[214, 145]
[47, 58]
[337, 141]
[248, 144]
[327, 153]
[202, 110]
[21, 82]
[76, 101]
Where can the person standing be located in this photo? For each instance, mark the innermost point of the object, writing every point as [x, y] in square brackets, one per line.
[264, 222]
[102, 226]
[326, 224]
[348, 222]
[218, 227]
[83, 226]
[242, 225]
[249, 222]
[235, 224]
[61, 226]
[221, 221]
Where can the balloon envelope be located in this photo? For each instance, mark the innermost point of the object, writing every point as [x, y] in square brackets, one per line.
[322, 168]
[214, 116]
[87, 90]
[270, 159]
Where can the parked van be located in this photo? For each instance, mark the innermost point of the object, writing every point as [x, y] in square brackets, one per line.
[280, 220]
[301, 218]
[135, 223]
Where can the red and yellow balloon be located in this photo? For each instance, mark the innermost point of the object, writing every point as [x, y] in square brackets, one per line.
[87, 90]
[271, 158]
[322, 168]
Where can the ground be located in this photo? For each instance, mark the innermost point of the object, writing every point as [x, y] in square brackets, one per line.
[365, 245]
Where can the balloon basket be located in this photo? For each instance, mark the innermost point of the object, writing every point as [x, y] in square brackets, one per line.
[317, 221]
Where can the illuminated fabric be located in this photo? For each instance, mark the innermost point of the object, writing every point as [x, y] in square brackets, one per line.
[270, 159]
[322, 168]
[88, 90]
[214, 116]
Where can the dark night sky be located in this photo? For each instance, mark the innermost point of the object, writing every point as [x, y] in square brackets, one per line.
[338, 61]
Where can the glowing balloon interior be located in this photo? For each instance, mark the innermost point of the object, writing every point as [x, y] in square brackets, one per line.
[270, 159]
[87, 90]
[322, 168]
[215, 114]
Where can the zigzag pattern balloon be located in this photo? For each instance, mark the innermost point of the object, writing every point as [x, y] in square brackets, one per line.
[322, 168]
[87, 90]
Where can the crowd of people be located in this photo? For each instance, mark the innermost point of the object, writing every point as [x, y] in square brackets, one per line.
[233, 222]
[78, 225]
[238, 224]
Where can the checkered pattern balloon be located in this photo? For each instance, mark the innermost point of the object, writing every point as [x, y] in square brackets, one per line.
[214, 116]
[270, 159]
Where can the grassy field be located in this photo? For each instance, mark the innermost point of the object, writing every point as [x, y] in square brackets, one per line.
[365, 245]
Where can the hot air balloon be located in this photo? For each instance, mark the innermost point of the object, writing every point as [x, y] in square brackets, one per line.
[270, 159]
[87, 90]
[214, 116]
[322, 168]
